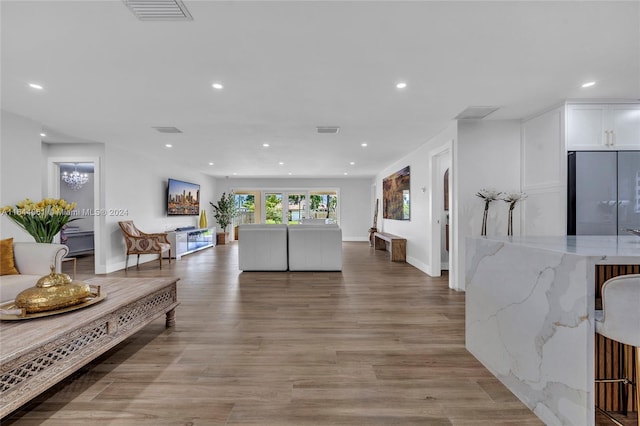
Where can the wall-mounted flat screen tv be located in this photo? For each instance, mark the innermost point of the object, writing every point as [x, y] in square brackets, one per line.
[183, 198]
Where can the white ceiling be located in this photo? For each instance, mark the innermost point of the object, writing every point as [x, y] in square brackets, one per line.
[288, 67]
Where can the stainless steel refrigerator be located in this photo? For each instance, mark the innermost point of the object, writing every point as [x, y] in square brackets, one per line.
[603, 192]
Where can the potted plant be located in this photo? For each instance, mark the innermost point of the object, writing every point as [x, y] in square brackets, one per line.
[224, 211]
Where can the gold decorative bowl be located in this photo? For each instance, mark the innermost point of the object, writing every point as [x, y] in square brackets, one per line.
[53, 291]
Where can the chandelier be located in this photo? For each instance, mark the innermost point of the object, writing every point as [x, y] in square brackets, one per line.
[75, 179]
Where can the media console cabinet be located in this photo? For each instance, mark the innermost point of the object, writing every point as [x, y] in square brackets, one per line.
[35, 354]
[191, 240]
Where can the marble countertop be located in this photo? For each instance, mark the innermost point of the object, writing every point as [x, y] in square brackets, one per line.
[586, 245]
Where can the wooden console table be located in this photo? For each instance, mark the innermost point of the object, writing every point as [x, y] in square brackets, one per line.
[37, 353]
[397, 246]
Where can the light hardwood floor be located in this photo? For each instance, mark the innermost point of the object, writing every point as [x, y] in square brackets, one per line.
[380, 343]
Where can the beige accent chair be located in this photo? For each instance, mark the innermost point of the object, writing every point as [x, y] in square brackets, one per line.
[138, 242]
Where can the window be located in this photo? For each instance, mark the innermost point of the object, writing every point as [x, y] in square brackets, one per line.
[273, 207]
[297, 207]
[324, 205]
[285, 206]
[246, 207]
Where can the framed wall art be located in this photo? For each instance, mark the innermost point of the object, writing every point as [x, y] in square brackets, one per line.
[396, 195]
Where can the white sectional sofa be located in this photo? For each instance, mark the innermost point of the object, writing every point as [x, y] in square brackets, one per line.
[315, 248]
[33, 260]
[262, 247]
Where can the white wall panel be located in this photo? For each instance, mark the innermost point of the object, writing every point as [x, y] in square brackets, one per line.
[542, 150]
[544, 173]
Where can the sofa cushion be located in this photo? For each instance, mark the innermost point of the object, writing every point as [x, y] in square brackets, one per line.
[7, 263]
[12, 285]
[315, 248]
[262, 247]
[37, 258]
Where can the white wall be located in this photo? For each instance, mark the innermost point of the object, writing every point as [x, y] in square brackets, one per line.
[417, 231]
[354, 198]
[138, 186]
[20, 161]
[486, 155]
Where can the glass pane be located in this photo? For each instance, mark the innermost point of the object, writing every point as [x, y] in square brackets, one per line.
[246, 207]
[324, 205]
[296, 208]
[596, 198]
[628, 191]
[273, 207]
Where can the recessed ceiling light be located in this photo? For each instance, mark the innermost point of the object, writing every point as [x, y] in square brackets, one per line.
[43, 134]
[364, 144]
[281, 163]
[217, 86]
[211, 163]
[266, 145]
[401, 85]
[589, 84]
[345, 173]
[289, 173]
[168, 145]
[234, 173]
[36, 86]
[352, 163]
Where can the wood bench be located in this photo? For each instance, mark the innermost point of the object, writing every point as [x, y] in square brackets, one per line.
[397, 246]
[35, 354]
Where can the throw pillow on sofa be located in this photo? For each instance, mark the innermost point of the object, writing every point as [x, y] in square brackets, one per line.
[7, 263]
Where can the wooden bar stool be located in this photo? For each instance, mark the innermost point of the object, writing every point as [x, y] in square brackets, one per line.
[619, 320]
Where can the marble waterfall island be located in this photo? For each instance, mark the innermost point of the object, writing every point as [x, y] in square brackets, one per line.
[530, 304]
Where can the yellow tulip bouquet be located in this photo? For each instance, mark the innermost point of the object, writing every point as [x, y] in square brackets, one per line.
[42, 220]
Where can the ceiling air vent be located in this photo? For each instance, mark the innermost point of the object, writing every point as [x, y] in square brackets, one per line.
[168, 129]
[328, 129]
[476, 112]
[159, 10]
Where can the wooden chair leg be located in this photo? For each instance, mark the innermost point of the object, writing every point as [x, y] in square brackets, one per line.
[126, 262]
[138, 262]
[160, 259]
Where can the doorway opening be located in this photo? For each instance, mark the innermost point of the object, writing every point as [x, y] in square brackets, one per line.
[82, 236]
[440, 207]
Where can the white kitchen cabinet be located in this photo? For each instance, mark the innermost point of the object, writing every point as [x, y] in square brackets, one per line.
[603, 126]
